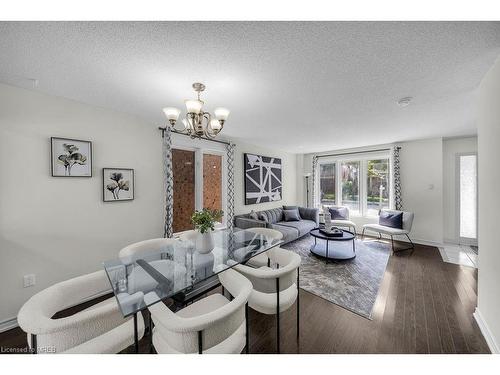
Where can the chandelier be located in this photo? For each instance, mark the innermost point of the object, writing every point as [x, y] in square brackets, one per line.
[197, 123]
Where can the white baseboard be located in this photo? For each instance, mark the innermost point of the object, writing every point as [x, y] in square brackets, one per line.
[428, 243]
[488, 336]
[8, 324]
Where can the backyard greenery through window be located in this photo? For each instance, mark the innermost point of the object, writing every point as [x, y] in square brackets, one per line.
[377, 186]
[327, 184]
[350, 186]
[362, 185]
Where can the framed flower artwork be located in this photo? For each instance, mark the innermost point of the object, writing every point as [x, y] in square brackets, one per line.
[118, 184]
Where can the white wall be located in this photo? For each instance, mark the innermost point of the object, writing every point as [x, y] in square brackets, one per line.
[58, 228]
[451, 149]
[488, 311]
[289, 162]
[421, 168]
[421, 165]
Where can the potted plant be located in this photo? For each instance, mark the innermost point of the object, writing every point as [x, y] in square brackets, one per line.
[204, 222]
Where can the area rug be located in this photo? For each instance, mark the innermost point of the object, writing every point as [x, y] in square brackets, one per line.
[351, 284]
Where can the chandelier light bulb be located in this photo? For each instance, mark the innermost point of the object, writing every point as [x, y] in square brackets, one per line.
[221, 114]
[193, 106]
[172, 113]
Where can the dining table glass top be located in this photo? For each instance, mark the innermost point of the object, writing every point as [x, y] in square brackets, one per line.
[174, 267]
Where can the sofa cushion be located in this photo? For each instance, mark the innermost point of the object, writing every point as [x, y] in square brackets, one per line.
[271, 216]
[303, 226]
[309, 214]
[289, 233]
[391, 219]
[339, 213]
[291, 215]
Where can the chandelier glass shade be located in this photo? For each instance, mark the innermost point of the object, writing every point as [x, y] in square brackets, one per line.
[197, 123]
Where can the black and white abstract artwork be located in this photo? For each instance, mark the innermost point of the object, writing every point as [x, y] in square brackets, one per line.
[263, 179]
[118, 184]
[71, 157]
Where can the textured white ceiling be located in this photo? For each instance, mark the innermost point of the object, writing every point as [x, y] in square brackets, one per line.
[296, 86]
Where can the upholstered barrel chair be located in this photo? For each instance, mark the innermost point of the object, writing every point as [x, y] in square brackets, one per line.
[100, 328]
[161, 253]
[275, 289]
[212, 325]
[271, 236]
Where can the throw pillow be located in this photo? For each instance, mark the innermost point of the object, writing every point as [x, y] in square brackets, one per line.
[253, 215]
[291, 215]
[263, 218]
[339, 213]
[391, 219]
[290, 208]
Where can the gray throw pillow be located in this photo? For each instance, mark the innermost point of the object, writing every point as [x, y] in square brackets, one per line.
[338, 213]
[263, 217]
[390, 219]
[253, 215]
[291, 215]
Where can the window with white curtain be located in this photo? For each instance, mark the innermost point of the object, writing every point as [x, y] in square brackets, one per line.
[362, 182]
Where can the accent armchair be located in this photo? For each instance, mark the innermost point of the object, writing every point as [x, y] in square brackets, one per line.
[344, 222]
[407, 221]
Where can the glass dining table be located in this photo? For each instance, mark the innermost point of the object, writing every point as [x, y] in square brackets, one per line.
[178, 271]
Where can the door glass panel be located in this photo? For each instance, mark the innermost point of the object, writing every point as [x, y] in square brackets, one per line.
[183, 168]
[350, 185]
[377, 186]
[468, 196]
[212, 181]
[327, 184]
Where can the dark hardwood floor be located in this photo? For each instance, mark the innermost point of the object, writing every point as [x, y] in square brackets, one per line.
[424, 306]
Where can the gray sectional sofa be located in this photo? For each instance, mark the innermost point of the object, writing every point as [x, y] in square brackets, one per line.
[274, 219]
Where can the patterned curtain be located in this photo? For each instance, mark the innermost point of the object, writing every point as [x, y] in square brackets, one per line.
[230, 185]
[168, 182]
[398, 201]
[314, 189]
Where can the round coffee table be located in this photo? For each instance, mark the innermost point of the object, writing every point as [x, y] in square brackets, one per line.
[325, 249]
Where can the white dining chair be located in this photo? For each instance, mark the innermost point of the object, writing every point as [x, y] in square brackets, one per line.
[156, 246]
[212, 325]
[160, 253]
[275, 290]
[100, 328]
[189, 235]
[271, 236]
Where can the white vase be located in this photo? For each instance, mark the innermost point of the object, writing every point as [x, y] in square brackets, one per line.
[204, 242]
